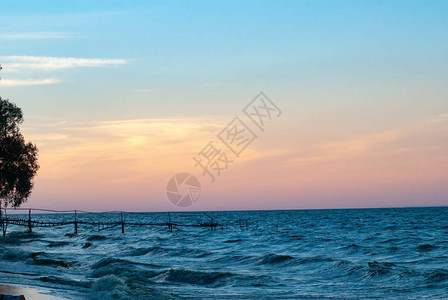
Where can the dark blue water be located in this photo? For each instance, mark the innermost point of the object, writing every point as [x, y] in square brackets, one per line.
[315, 254]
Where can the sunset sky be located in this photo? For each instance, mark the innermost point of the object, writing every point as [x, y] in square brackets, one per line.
[119, 96]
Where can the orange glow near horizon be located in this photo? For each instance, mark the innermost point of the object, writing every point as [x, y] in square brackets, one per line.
[99, 165]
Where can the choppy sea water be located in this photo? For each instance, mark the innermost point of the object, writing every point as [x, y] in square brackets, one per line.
[315, 254]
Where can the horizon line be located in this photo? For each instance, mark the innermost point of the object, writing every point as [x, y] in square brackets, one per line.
[204, 211]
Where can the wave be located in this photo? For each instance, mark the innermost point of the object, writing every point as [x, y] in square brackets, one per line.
[113, 287]
[50, 262]
[120, 267]
[86, 245]
[271, 258]
[107, 261]
[314, 259]
[123, 279]
[240, 259]
[110, 287]
[14, 254]
[344, 268]
[426, 247]
[351, 246]
[34, 254]
[16, 238]
[144, 251]
[23, 235]
[63, 281]
[36, 258]
[375, 268]
[139, 251]
[437, 276]
[188, 252]
[185, 252]
[233, 241]
[194, 277]
[58, 244]
[96, 238]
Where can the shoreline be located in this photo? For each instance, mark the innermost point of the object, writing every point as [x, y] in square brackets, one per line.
[30, 293]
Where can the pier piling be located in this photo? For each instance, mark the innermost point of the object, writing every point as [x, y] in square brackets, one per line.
[122, 223]
[29, 221]
[76, 223]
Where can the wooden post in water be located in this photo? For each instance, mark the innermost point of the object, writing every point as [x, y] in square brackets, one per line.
[4, 226]
[122, 223]
[29, 221]
[170, 226]
[1, 219]
[76, 223]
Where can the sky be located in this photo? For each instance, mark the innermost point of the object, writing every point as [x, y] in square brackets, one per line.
[119, 96]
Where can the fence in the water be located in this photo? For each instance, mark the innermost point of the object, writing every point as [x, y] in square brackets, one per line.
[20, 220]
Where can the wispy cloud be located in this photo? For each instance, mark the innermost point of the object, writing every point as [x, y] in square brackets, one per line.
[28, 82]
[437, 119]
[44, 63]
[38, 35]
[140, 146]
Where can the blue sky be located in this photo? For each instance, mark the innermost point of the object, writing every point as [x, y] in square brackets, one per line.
[359, 66]
[286, 46]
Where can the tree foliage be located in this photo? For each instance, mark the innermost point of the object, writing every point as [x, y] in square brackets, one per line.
[18, 159]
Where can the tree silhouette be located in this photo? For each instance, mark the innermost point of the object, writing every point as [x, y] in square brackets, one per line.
[18, 159]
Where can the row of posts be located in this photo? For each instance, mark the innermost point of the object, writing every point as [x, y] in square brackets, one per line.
[76, 222]
[30, 224]
[169, 224]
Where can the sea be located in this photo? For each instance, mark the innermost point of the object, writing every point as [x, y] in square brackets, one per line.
[390, 253]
